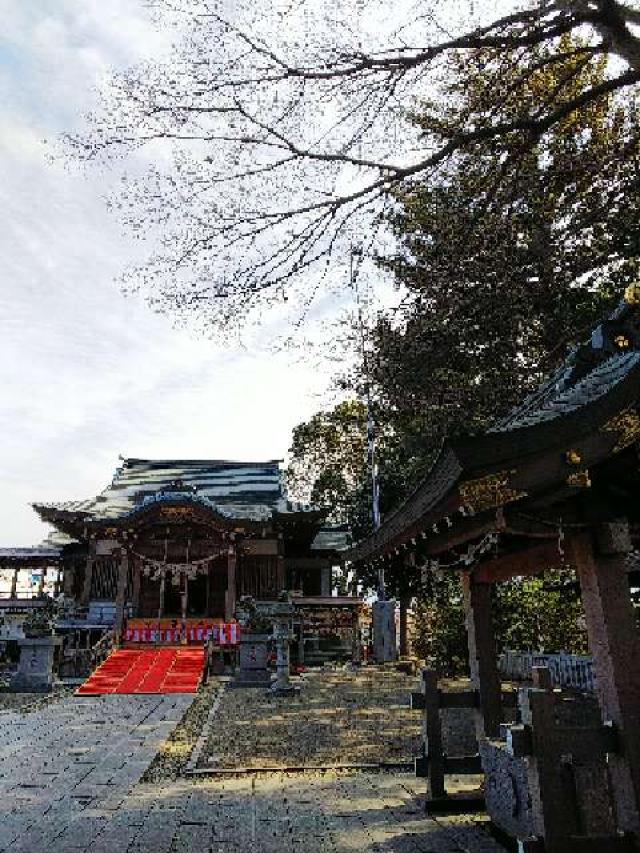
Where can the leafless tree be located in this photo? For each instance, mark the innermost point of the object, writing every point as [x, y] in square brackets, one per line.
[275, 129]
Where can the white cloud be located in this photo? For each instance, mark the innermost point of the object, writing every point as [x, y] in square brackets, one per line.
[85, 373]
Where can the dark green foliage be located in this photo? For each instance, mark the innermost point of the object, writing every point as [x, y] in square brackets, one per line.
[543, 613]
[441, 637]
[509, 255]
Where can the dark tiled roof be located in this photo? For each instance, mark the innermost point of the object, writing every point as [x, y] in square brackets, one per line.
[590, 372]
[26, 553]
[238, 490]
[598, 379]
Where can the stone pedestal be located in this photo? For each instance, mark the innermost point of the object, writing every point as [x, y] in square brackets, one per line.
[253, 669]
[384, 631]
[35, 669]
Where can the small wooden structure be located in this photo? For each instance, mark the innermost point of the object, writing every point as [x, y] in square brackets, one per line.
[555, 482]
[318, 619]
[23, 564]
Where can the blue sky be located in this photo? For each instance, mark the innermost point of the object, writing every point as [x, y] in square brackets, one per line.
[85, 373]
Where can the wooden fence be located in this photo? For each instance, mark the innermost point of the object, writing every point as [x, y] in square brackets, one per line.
[576, 671]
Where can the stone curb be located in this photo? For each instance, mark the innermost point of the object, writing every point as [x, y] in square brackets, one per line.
[204, 734]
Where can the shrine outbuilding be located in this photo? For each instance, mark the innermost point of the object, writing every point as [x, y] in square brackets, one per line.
[555, 482]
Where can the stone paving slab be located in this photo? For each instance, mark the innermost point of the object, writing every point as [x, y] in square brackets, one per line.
[283, 813]
[58, 764]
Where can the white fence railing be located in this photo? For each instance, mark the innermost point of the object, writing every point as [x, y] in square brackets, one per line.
[575, 671]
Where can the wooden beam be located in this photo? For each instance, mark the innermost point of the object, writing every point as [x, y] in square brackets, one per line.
[462, 531]
[531, 561]
[306, 563]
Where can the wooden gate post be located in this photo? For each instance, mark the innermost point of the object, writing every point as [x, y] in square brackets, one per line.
[482, 654]
[433, 747]
[600, 559]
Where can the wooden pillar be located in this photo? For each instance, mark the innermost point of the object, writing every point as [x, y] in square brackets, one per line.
[121, 594]
[43, 574]
[207, 611]
[58, 583]
[600, 560]
[482, 653]
[88, 574]
[356, 652]
[184, 603]
[68, 578]
[432, 736]
[135, 592]
[14, 583]
[230, 595]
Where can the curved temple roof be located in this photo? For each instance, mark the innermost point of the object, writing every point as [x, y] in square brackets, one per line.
[587, 408]
[251, 491]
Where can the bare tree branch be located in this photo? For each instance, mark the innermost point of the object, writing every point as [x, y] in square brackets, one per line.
[279, 136]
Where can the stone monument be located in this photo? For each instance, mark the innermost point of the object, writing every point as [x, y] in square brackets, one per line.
[282, 634]
[35, 669]
[253, 670]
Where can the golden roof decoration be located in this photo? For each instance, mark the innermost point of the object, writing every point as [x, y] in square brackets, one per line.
[493, 490]
[573, 457]
[632, 294]
[627, 425]
[579, 479]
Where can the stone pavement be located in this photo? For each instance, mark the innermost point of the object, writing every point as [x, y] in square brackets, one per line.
[60, 762]
[70, 783]
[332, 812]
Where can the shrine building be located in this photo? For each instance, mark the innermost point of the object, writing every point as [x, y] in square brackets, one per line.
[186, 539]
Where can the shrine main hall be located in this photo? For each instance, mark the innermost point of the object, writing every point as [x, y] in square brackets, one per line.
[186, 539]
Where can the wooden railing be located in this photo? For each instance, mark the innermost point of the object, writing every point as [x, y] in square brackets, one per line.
[102, 649]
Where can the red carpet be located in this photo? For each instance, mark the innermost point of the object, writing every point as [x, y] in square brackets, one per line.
[163, 670]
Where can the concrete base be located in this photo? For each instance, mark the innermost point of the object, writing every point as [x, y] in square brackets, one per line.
[251, 680]
[284, 689]
[35, 669]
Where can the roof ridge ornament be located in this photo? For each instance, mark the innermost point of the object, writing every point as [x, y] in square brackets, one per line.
[632, 293]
